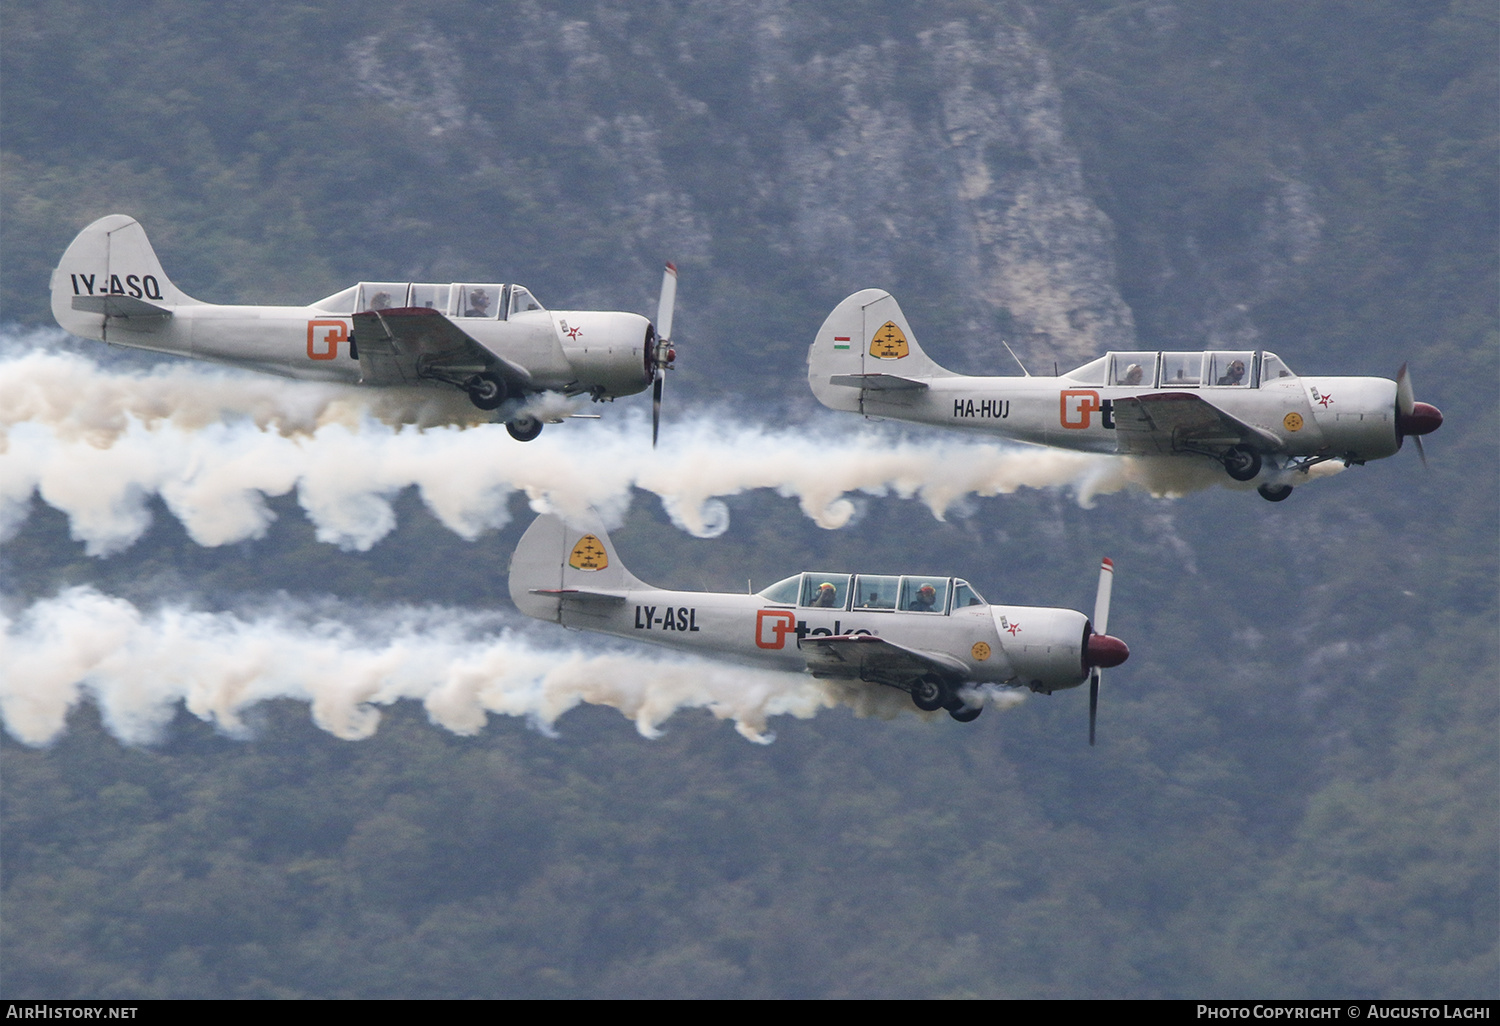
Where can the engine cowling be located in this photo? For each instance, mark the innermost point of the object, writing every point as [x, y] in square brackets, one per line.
[611, 353]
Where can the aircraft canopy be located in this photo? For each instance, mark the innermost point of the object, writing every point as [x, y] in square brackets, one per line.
[874, 592]
[1216, 368]
[486, 300]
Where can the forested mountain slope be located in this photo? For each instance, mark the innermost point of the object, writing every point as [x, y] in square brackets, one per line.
[1295, 787]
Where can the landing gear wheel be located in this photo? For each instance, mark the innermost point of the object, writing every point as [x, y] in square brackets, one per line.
[1242, 464]
[524, 428]
[930, 694]
[967, 713]
[486, 391]
[1274, 493]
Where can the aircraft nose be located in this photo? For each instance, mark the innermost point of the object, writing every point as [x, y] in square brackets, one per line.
[1104, 651]
[1423, 419]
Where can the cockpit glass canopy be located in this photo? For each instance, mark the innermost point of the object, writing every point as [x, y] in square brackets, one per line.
[872, 592]
[382, 295]
[1181, 370]
[923, 595]
[875, 591]
[431, 297]
[1230, 369]
[481, 300]
[965, 595]
[1272, 367]
[1130, 369]
[521, 300]
[784, 592]
[1091, 373]
[825, 591]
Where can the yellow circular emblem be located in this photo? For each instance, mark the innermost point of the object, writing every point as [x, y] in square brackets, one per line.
[1292, 421]
[980, 651]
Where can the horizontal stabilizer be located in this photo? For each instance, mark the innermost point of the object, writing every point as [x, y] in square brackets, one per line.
[120, 306]
[584, 594]
[878, 382]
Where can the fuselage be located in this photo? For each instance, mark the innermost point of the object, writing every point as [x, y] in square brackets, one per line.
[1041, 647]
[1338, 416]
[599, 352]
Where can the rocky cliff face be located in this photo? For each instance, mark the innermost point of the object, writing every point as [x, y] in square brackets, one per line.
[934, 162]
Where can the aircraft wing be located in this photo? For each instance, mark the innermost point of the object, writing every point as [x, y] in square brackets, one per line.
[872, 658]
[1167, 422]
[408, 344]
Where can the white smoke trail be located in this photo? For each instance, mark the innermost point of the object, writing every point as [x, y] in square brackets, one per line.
[98, 443]
[460, 665]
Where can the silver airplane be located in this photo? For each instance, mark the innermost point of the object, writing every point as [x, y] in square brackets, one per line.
[491, 340]
[932, 636]
[1242, 408]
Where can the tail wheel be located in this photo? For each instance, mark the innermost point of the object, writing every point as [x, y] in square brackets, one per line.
[1241, 463]
[931, 694]
[486, 390]
[524, 428]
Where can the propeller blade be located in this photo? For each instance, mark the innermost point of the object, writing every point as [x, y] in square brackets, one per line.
[1093, 703]
[1101, 626]
[665, 304]
[1413, 419]
[656, 387]
[1101, 600]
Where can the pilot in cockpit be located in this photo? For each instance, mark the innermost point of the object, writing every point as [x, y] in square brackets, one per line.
[479, 303]
[1133, 375]
[926, 598]
[826, 596]
[1234, 373]
[380, 301]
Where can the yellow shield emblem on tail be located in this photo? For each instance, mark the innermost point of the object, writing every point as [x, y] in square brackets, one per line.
[888, 343]
[588, 554]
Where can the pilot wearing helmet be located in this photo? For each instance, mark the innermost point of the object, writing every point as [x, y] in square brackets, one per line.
[1234, 374]
[479, 303]
[826, 597]
[925, 598]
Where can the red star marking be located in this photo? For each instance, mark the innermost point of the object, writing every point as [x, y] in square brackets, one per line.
[574, 332]
[1013, 628]
[1325, 401]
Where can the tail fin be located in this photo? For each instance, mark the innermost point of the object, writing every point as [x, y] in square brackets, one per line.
[110, 279]
[554, 559]
[866, 334]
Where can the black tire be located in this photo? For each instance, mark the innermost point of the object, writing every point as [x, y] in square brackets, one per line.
[931, 694]
[524, 428]
[967, 713]
[1242, 464]
[486, 391]
[1274, 493]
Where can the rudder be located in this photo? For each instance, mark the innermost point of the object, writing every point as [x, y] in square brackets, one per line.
[553, 556]
[110, 277]
[865, 334]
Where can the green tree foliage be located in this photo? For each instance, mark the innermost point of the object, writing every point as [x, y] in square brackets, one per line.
[1294, 791]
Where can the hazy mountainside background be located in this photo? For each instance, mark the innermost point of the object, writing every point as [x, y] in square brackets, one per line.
[1295, 787]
